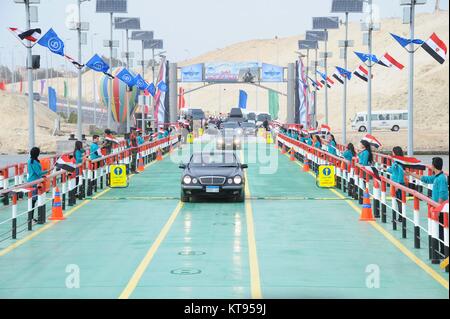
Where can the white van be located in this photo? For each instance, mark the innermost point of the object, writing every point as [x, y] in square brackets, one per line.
[381, 120]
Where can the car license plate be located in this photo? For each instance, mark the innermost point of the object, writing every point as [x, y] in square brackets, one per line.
[212, 189]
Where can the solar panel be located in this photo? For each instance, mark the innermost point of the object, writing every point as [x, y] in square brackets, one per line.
[154, 44]
[342, 6]
[127, 23]
[317, 35]
[325, 23]
[307, 45]
[142, 35]
[108, 6]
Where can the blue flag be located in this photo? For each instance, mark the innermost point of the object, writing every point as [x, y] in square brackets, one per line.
[405, 42]
[162, 86]
[140, 82]
[126, 77]
[323, 75]
[344, 73]
[96, 63]
[52, 99]
[242, 99]
[51, 41]
[365, 56]
[152, 89]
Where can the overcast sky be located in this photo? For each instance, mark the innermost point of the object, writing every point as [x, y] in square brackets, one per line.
[189, 28]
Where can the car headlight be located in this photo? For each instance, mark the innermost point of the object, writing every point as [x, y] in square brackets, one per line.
[239, 131]
[194, 181]
[230, 181]
[187, 179]
[237, 141]
[237, 179]
[220, 141]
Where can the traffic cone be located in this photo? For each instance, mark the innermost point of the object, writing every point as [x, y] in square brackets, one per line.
[140, 167]
[283, 149]
[292, 157]
[159, 155]
[57, 213]
[306, 166]
[170, 148]
[366, 214]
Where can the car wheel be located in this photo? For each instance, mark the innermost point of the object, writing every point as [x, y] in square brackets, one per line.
[184, 198]
[395, 128]
[362, 129]
[241, 197]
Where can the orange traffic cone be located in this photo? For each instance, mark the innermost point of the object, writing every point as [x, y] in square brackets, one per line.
[140, 167]
[170, 148]
[306, 166]
[366, 214]
[291, 152]
[57, 208]
[159, 155]
[283, 149]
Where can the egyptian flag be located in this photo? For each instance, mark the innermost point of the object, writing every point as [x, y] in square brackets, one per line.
[338, 77]
[31, 35]
[388, 61]
[372, 140]
[111, 138]
[325, 129]
[313, 131]
[436, 48]
[325, 79]
[362, 73]
[67, 163]
[78, 65]
[409, 162]
[315, 84]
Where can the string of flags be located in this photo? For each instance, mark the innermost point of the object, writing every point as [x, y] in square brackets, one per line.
[52, 42]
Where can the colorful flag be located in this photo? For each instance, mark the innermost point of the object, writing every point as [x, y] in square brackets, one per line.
[51, 41]
[303, 94]
[31, 35]
[325, 129]
[405, 42]
[77, 64]
[339, 77]
[160, 96]
[162, 86]
[410, 162]
[436, 48]
[52, 99]
[151, 89]
[42, 86]
[66, 90]
[388, 61]
[274, 104]
[365, 56]
[242, 99]
[344, 73]
[362, 73]
[328, 82]
[126, 77]
[181, 99]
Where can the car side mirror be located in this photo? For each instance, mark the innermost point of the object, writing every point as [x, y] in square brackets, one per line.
[182, 166]
[244, 166]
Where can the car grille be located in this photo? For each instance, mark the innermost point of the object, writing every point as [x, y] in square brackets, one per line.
[212, 180]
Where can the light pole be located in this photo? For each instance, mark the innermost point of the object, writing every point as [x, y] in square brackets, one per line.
[94, 93]
[31, 135]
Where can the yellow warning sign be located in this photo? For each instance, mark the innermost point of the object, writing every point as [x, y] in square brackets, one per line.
[444, 264]
[118, 176]
[326, 177]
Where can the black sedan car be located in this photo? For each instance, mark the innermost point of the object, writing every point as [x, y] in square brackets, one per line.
[218, 174]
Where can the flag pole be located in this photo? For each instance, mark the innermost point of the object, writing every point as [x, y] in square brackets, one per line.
[369, 93]
[31, 135]
[326, 80]
[344, 102]
[411, 86]
[79, 110]
[110, 95]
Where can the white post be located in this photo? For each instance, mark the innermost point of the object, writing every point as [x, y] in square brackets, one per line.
[110, 95]
[31, 137]
[80, 89]
[326, 75]
[369, 93]
[344, 102]
[411, 86]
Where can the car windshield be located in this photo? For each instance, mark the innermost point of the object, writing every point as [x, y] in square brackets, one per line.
[263, 117]
[231, 125]
[248, 125]
[214, 159]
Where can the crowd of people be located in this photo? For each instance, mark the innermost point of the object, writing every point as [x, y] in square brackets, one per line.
[364, 155]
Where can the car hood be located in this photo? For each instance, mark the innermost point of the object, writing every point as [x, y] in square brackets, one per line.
[198, 171]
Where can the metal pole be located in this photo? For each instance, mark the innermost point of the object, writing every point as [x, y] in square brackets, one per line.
[344, 103]
[307, 75]
[315, 88]
[80, 92]
[143, 63]
[326, 80]
[128, 67]
[110, 95]
[411, 86]
[93, 84]
[369, 93]
[31, 136]
[13, 71]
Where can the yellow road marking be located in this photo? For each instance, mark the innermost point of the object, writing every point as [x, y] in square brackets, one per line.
[255, 283]
[35, 233]
[133, 282]
[394, 241]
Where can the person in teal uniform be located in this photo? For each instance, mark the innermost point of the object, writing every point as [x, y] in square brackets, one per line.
[140, 138]
[365, 156]
[317, 142]
[349, 152]
[78, 153]
[94, 148]
[332, 145]
[438, 179]
[398, 176]
[35, 173]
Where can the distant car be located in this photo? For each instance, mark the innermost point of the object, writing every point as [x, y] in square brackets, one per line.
[217, 174]
[228, 142]
[249, 129]
[232, 128]
[36, 96]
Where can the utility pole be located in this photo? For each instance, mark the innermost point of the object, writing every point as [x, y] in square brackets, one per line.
[80, 92]
[344, 100]
[110, 95]
[411, 82]
[369, 94]
[31, 135]
[326, 80]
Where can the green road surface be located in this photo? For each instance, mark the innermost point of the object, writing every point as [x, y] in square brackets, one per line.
[140, 242]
